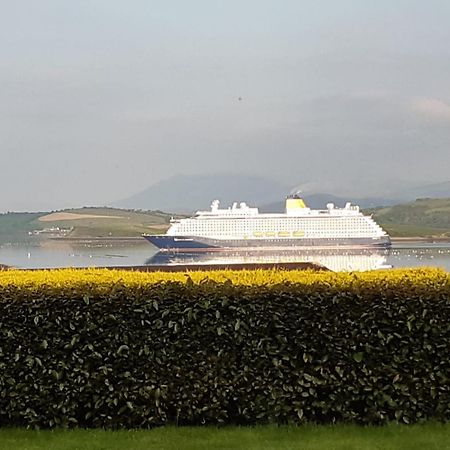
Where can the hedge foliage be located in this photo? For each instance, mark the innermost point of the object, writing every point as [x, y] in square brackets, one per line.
[120, 349]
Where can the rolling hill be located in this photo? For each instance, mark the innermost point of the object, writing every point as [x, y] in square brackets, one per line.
[14, 225]
[82, 223]
[423, 217]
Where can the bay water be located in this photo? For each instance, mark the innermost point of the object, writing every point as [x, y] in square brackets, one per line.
[58, 254]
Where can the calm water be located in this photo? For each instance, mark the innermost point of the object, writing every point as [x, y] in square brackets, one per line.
[65, 254]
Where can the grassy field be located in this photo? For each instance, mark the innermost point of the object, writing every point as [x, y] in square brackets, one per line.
[85, 223]
[431, 436]
[402, 230]
[424, 217]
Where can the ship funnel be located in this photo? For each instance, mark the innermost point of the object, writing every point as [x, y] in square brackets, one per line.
[295, 204]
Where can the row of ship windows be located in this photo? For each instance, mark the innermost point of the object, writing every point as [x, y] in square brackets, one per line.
[285, 233]
[284, 222]
[277, 225]
[264, 229]
[274, 228]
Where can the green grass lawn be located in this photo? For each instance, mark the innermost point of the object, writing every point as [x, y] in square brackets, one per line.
[421, 437]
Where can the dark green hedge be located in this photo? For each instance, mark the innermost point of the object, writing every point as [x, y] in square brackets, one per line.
[220, 353]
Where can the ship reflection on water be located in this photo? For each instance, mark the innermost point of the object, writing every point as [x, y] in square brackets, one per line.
[348, 260]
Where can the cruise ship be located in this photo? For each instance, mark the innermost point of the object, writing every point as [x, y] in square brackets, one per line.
[244, 227]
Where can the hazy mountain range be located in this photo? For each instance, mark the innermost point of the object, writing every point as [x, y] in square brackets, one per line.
[437, 190]
[186, 193]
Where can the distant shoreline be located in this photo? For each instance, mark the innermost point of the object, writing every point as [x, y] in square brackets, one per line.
[141, 240]
[106, 240]
[398, 239]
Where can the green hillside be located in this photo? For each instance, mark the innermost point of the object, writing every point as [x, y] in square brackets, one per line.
[424, 217]
[13, 225]
[83, 223]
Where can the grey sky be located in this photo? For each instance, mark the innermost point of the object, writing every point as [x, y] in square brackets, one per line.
[101, 98]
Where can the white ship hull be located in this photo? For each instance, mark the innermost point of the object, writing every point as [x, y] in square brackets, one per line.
[194, 243]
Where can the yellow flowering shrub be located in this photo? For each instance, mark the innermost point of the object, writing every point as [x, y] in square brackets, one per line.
[104, 278]
[111, 348]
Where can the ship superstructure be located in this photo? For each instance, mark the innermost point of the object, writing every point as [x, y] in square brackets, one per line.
[244, 227]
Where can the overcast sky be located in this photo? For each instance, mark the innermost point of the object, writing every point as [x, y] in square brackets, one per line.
[101, 98]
